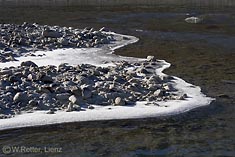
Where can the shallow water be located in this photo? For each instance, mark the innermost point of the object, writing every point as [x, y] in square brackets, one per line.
[207, 131]
[202, 132]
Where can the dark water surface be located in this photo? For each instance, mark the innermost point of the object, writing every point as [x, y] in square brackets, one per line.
[202, 54]
[207, 131]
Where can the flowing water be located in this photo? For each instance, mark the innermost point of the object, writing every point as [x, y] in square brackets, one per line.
[202, 54]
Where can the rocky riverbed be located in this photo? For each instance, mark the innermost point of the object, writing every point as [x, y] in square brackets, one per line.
[18, 40]
[28, 88]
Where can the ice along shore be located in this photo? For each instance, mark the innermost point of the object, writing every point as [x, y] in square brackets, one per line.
[94, 85]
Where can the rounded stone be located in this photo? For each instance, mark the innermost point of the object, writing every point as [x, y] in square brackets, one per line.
[32, 103]
[73, 99]
[91, 107]
[47, 79]
[28, 64]
[151, 58]
[70, 107]
[86, 93]
[119, 101]
[20, 97]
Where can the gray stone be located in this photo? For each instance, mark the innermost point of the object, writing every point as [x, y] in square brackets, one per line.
[28, 64]
[11, 58]
[5, 72]
[2, 45]
[76, 91]
[159, 93]
[31, 77]
[51, 111]
[9, 89]
[91, 107]
[20, 97]
[76, 107]
[32, 103]
[62, 96]
[151, 58]
[86, 93]
[51, 33]
[143, 71]
[47, 79]
[70, 107]
[73, 99]
[43, 90]
[183, 97]
[64, 42]
[119, 101]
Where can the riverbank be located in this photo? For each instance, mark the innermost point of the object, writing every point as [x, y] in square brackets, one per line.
[113, 87]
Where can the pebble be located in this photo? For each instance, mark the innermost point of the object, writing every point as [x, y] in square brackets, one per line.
[70, 107]
[62, 96]
[32, 103]
[119, 101]
[91, 107]
[151, 58]
[20, 97]
[51, 111]
[28, 64]
[86, 93]
[183, 97]
[31, 77]
[76, 91]
[73, 99]
[51, 33]
[47, 79]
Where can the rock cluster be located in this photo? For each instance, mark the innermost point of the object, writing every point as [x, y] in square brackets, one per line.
[74, 88]
[16, 40]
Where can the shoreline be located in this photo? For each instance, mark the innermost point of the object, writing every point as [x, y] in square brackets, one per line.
[104, 113]
[40, 118]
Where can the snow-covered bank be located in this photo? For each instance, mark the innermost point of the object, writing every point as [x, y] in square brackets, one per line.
[73, 56]
[104, 57]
